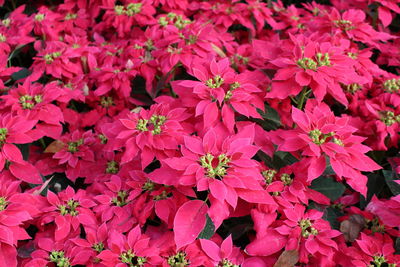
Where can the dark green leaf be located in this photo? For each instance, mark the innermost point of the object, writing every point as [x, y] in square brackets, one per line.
[24, 150]
[20, 74]
[238, 228]
[377, 156]
[397, 246]
[208, 230]
[393, 186]
[286, 157]
[328, 187]
[331, 215]
[163, 81]
[16, 51]
[265, 158]
[272, 115]
[279, 160]
[315, 206]
[30, 8]
[375, 185]
[328, 169]
[271, 118]
[363, 202]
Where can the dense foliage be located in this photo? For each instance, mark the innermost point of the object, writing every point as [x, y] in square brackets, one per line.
[199, 133]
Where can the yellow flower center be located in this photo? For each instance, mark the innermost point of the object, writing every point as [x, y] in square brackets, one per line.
[215, 167]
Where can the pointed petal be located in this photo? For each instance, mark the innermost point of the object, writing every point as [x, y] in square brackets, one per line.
[211, 249]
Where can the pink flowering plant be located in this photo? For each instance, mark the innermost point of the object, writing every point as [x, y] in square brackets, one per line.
[215, 133]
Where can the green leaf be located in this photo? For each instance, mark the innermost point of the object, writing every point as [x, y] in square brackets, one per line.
[331, 215]
[265, 158]
[375, 185]
[272, 115]
[279, 160]
[20, 74]
[30, 8]
[208, 230]
[24, 150]
[238, 227]
[397, 246]
[286, 157]
[271, 121]
[328, 170]
[389, 178]
[327, 186]
[315, 206]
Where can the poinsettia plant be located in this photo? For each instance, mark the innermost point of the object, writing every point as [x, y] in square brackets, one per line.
[199, 133]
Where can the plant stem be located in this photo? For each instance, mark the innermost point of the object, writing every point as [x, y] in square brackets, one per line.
[293, 99]
[303, 97]
[42, 142]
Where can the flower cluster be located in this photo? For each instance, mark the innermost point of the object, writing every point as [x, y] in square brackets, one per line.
[199, 133]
